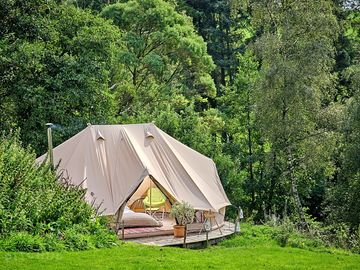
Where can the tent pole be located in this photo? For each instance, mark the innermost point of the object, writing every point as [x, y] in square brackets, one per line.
[50, 145]
[117, 220]
[207, 238]
[117, 227]
[123, 230]
[119, 214]
[185, 234]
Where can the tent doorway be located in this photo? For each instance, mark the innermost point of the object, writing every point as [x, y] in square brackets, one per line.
[146, 212]
[150, 198]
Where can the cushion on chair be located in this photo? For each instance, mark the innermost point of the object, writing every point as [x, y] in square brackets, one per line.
[157, 198]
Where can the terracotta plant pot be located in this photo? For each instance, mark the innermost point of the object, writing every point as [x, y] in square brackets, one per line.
[179, 230]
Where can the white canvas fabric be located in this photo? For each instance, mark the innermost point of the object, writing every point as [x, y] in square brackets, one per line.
[111, 162]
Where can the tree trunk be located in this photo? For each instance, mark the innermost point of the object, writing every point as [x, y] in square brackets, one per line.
[250, 152]
[294, 189]
[134, 79]
[272, 182]
[222, 76]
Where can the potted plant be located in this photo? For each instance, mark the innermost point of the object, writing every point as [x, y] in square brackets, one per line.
[184, 214]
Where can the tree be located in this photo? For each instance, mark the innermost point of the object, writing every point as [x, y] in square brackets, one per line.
[57, 70]
[243, 142]
[161, 52]
[94, 5]
[224, 25]
[344, 191]
[296, 52]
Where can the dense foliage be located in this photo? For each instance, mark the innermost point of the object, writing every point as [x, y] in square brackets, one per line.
[268, 89]
[40, 211]
[56, 68]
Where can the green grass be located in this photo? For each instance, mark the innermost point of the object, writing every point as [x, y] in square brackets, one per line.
[254, 249]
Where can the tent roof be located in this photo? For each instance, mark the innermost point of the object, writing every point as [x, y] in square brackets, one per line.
[111, 161]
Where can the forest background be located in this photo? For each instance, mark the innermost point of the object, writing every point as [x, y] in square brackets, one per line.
[269, 89]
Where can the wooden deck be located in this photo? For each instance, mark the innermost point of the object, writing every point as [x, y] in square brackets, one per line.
[193, 239]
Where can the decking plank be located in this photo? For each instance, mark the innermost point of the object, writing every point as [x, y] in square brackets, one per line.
[193, 238]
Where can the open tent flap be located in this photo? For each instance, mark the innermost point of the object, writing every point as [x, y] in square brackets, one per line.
[140, 193]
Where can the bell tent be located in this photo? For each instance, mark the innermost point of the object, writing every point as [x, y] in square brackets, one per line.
[116, 164]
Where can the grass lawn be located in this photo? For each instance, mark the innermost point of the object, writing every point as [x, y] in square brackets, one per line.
[254, 249]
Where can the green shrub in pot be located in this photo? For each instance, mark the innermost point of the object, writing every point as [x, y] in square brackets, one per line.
[184, 214]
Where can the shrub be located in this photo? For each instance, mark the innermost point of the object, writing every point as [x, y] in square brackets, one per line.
[22, 241]
[286, 233]
[40, 210]
[300, 240]
[340, 236]
[53, 242]
[74, 240]
[251, 235]
[283, 232]
[102, 239]
[355, 242]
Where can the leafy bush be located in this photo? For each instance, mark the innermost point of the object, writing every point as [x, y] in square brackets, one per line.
[22, 241]
[43, 211]
[100, 235]
[339, 235]
[53, 242]
[299, 240]
[355, 242]
[251, 235]
[283, 232]
[286, 233]
[76, 241]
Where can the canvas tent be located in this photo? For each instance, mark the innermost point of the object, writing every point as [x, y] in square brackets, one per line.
[112, 161]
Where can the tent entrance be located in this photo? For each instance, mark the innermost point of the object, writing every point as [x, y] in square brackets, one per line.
[146, 212]
[148, 205]
[150, 198]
